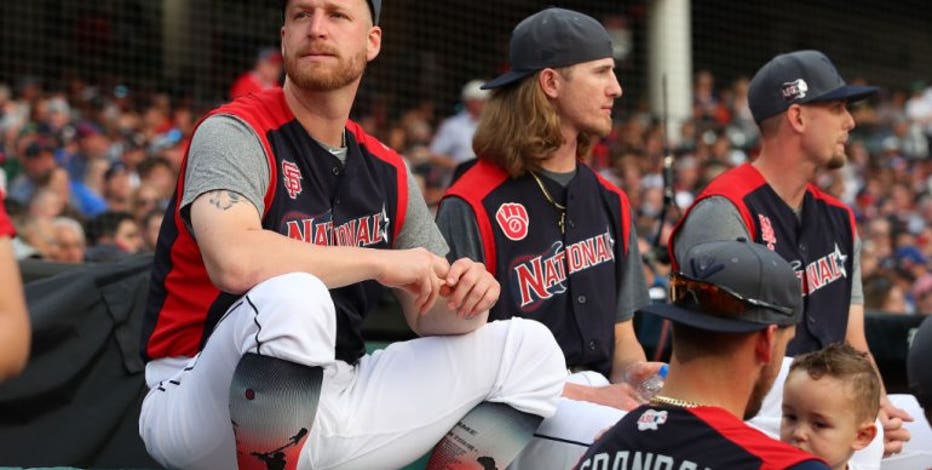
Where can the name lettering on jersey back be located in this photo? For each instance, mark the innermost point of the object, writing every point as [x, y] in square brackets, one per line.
[543, 276]
[821, 272]
[363, 231]
[637, 460]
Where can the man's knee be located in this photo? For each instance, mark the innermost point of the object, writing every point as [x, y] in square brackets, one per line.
[295, 317]
[534, 342]
[292, 294]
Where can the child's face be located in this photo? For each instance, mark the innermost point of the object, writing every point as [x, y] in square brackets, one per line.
[819, 417]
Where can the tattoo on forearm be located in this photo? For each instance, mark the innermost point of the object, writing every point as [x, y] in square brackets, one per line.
[224, 200]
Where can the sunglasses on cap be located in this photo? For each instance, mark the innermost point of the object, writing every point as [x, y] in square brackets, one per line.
[714, 299]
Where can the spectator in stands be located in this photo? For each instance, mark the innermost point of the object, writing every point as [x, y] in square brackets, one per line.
[93, 146]
[38, 235]
[265, 73]
[118, 187]
[14, 318]
[144, 200]
[37, 162]
[150, 225]
[452, 144]
[830, 401]
[922, 294]
[113, 236]
[69, 237]
[158, 173]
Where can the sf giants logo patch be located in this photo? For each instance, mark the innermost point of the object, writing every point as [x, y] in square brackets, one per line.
[766, 232]
[795, 90]
[291, 177]
[651, 419]
[512, 218]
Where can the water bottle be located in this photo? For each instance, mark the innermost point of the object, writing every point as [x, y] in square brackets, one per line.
[650, 386]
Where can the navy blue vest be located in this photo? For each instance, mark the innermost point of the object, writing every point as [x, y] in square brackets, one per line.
[654, 437]
[567, 281]
[311, 197]
[819, 245]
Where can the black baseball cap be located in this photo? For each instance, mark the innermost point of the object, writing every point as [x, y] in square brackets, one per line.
[799, 77]
[765, 283]
[553, 38]
[375, 6]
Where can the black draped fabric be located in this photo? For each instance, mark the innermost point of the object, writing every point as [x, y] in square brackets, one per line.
[77, 403]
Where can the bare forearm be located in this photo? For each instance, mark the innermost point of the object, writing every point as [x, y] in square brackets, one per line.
[256, 255]
[628, 351]
[238, 253]
[440, 319]
[14, 318]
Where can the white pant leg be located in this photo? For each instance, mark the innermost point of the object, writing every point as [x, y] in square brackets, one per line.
[771, 413]
[563, 438]
[396, 404]
[185, 418]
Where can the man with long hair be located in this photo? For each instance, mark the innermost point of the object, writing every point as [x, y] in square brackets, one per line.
[558, 237]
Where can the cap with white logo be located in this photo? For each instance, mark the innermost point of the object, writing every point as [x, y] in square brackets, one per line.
[797, 78]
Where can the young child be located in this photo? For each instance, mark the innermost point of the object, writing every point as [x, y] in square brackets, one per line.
[830, 401]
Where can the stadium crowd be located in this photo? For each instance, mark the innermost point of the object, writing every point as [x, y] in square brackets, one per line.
[87, 171]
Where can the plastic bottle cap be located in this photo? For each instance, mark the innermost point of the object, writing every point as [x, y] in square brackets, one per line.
[663, 370]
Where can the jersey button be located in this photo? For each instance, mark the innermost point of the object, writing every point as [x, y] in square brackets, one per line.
[336, 171]
[811, 319]
[802, 247]
[336, 202]
[592, 344]
[571, 223]
[581, 299]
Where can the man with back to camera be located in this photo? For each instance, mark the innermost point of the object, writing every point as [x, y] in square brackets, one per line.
[799, 101]
[559, 238]
[287, 223]
[734, 307]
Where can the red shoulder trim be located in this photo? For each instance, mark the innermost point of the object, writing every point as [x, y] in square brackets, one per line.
[734, 184]
[774, 454]
[833, 201]
[625, 208]
[387, 155]
[263, 111]
[473, 187]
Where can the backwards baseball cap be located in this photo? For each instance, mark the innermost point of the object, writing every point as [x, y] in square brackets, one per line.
[797, 78]
[375, 6]
[473, 90]
[732, 286]
[553, 38]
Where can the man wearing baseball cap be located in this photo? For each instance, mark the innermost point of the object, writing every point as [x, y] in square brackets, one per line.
[734, 307]
[799, 101]
[559, 239]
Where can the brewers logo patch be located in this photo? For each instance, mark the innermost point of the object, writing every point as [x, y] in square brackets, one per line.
[512, 218]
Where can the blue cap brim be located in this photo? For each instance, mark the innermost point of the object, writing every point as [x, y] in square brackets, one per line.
[702, 321]
[505, 79]
[850, 93]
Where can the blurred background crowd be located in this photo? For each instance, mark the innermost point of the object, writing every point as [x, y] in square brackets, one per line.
[98, 103]
[87, 170]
